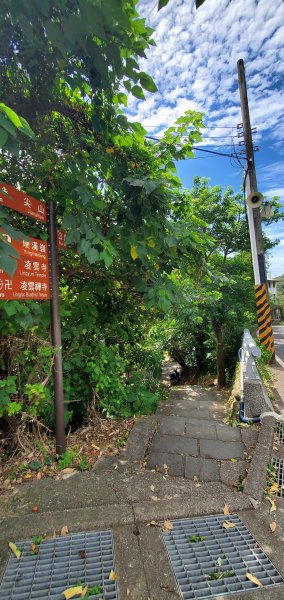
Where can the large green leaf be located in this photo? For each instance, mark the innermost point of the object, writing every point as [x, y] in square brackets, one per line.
[12, 116]
[137, 91]
[147, 82]
[3, 137]
[162, 3]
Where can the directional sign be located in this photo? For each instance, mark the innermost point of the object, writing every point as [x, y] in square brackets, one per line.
[31, 278]
[21, 202]
[61, 235]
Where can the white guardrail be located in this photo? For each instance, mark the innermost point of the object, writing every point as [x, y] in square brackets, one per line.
[254, 396]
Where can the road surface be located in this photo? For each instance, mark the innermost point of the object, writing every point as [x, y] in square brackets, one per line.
[278, 331]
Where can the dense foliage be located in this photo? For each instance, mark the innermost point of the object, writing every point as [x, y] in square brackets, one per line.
[115, 195]
[149, 266]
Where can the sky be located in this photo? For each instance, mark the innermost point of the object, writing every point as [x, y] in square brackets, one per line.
[194, 65]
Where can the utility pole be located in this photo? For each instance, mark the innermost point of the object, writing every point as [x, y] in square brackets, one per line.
[56, 332]
[254, 219]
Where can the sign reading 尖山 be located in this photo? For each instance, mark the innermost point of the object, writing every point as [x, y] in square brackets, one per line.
[31, 279]
[21, 202]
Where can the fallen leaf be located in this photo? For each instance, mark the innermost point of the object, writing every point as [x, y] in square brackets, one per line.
[219, 562]
[152, 488]
[38, 476]
[127, 592]
[84, 591]
[254, 579]
[226, 510]
[228, 525]
[272, 502]
[82, 554]
[15, 550]
[34, 549]
[197, 485]
[115, 467]
[167, 526]
[166, 469]
[68, 471]
[195, 478]
[71, 592]
[233, 460]
[28, 476]
[273, 526]
[64, 530]
[153, 524]
[274, 488]
[155, 498]
[112, 575]
[35, 509]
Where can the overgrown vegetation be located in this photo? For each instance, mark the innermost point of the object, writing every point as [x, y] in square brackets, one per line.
[150, 266]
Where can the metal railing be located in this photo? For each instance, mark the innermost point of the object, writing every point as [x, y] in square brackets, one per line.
[248, 353]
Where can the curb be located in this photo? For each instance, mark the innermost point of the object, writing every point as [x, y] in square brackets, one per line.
[257, 474]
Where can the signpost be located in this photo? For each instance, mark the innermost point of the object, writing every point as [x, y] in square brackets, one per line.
[21, 202]
[30, 280]
[36, 278]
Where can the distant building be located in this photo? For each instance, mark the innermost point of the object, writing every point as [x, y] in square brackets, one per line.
[272, 287]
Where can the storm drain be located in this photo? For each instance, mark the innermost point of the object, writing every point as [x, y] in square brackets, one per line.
[209, 560]
[280, 432]
[279, 464]
[61, 563]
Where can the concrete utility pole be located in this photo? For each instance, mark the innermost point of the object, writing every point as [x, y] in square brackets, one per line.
[254, 219]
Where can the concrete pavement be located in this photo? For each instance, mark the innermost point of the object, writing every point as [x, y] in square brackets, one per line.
[126, 493]
[278, 368]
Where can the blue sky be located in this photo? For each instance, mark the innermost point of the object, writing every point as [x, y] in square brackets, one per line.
[194, 67]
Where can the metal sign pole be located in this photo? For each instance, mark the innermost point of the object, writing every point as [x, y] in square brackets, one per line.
[56, 331]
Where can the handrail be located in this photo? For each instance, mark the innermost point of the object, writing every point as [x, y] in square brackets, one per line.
[248, 370]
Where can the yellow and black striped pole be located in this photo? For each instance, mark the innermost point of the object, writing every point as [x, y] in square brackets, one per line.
[265, 332]
[254, 200]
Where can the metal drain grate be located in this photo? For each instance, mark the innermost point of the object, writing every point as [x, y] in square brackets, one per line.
[279, 464]
[230, 552]
[280, 432]
[61, 563]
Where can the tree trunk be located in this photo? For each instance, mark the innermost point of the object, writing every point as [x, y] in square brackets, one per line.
[221, 377]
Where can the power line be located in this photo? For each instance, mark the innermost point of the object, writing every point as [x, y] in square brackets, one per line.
[198, 148]
[172, 124]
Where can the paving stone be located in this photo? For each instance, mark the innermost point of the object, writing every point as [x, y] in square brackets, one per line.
[200, 429]
[249, 437]
[174, 444]
[230, 472]
[171, 425]
[221, 450]
[204, 469]
[195, 413]
[174, 462]
[227, 433]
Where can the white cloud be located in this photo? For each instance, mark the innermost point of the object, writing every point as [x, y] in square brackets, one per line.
[197, 51]
[194, 65]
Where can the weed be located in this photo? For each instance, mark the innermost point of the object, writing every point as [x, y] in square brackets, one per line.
[37, 539]
[65, 460]
[84, 464]
[195, 539]
[271, 476]
[240, 483]
[217, 574]
[122, 439]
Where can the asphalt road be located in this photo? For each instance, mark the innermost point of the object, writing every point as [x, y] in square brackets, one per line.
[278, 331]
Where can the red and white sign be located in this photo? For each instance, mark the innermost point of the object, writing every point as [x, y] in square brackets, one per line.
[31, 278]
[61, 235]
[21, 202]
